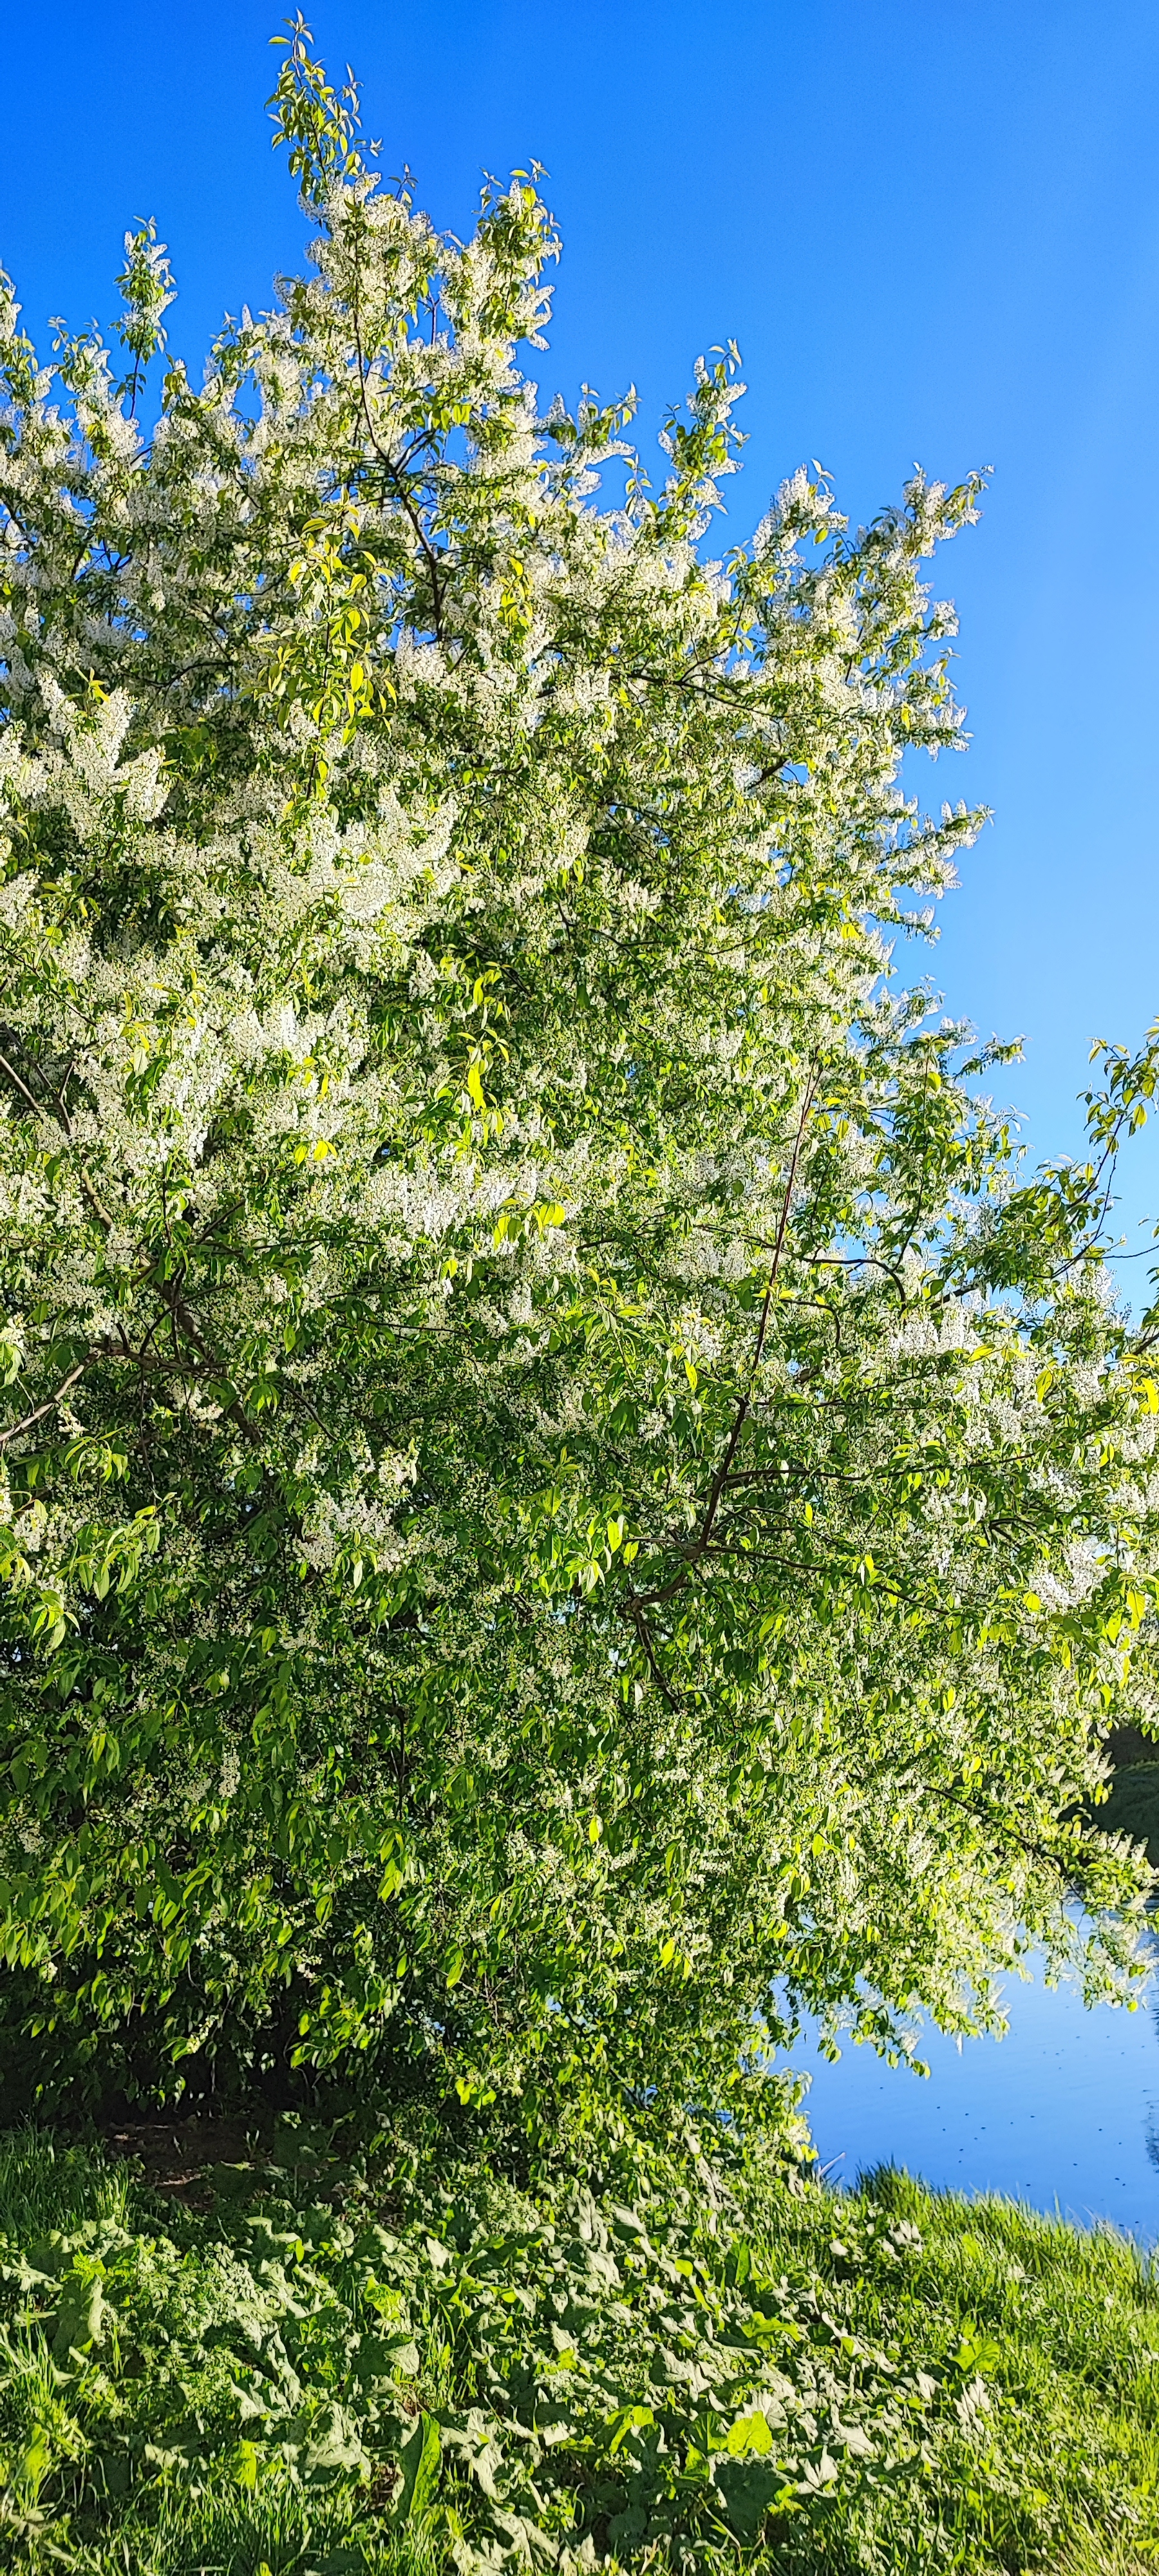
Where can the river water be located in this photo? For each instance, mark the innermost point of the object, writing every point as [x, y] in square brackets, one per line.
[1063, 2112]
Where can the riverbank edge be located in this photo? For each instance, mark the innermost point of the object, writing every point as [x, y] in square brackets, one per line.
[1132, 1806]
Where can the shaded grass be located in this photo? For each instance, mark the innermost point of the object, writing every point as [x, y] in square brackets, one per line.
[65, 2501]
[1133, 1807]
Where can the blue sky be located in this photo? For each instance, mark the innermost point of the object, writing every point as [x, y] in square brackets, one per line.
[934, 231]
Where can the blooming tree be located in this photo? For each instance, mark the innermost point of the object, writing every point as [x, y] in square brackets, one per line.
[565, 1493]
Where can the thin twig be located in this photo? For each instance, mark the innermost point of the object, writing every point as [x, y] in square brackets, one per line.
[718, 1483]
[50, 1403]
[387, 460]
[34, 1104]
[640, 1624]
[702, 1541]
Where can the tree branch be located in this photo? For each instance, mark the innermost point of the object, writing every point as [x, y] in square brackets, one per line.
[719, 1480]
[385, 459]
[50, 1403]
[634, 1612]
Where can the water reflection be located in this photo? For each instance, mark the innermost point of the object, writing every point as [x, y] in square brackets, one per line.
[1063, 2112]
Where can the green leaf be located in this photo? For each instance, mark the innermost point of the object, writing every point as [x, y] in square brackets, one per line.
[419, 2457]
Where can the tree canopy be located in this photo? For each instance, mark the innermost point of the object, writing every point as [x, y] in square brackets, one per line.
[567, 1493]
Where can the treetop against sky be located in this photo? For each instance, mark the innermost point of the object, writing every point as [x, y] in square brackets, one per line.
[930, 239]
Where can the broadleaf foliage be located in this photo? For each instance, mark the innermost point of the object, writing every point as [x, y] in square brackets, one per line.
[321, 2371]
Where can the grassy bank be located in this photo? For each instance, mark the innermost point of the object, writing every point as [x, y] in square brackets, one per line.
[277, 2364]
[1133, 1806]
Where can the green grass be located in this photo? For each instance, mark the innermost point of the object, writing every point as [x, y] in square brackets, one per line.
[324, 2370]
[1060, 2465]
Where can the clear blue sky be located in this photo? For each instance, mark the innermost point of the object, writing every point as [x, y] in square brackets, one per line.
[934, 230]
